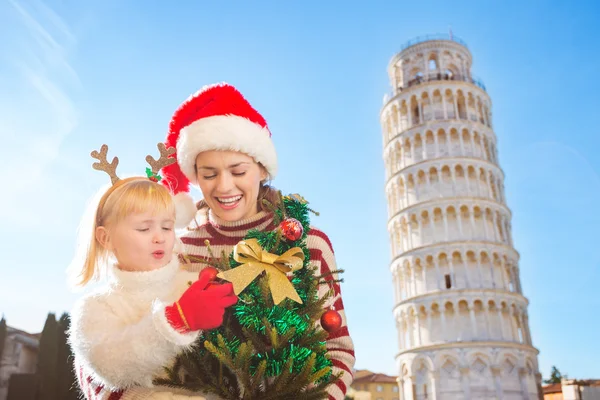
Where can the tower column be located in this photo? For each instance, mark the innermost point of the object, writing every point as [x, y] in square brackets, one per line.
[437, 273]
[488, 327]
[429, 326]
[444, 325]
[473, 322]
[455, 106]
[466, 384]
[501, 322]
[413, 279]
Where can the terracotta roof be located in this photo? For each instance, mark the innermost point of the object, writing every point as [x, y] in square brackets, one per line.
[374, 378]
[552, 388]
[359, 373]
[557, 387]
[584, 382]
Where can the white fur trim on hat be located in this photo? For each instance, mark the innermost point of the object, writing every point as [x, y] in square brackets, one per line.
[185, 209]
[225, 132]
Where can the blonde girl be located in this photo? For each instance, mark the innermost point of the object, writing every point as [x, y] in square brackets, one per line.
[145, 311]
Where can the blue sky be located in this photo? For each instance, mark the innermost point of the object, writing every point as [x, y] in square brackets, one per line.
[74, 75]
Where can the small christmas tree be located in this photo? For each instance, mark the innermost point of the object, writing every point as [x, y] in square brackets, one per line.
[270, 346]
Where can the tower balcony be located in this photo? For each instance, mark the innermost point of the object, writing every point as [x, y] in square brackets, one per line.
[437, 76]
[428, 38]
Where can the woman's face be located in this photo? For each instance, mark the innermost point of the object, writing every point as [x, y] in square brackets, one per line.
[230, 182]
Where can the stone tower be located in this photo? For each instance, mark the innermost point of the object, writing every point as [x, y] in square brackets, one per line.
[461, 316]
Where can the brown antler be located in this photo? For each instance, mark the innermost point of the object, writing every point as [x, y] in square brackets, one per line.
[164, 159]
[104, 165]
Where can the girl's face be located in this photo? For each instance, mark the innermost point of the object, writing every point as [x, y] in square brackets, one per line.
[140, 242]
[229, 181]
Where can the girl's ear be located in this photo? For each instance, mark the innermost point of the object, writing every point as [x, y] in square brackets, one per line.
[103, 237]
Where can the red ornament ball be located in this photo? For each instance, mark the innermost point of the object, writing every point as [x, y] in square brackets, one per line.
[331, 321]
[292, 229]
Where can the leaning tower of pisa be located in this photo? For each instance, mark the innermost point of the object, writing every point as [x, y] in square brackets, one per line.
[461, 316]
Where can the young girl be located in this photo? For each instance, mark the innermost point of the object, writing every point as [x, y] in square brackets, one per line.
[126, 331]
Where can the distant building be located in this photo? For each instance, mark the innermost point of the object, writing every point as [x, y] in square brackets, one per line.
[369, 385]
[573, 389]
[19, 356]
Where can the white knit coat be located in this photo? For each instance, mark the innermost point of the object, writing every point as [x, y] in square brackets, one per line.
[119, 332]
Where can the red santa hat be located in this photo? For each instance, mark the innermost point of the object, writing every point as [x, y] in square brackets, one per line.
[217, 117]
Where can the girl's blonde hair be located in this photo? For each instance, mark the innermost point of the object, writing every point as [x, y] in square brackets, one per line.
[127, 196]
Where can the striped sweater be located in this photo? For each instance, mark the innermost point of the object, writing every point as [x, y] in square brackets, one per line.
[223, 236]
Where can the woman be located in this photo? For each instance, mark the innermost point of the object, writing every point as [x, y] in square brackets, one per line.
[224, 147]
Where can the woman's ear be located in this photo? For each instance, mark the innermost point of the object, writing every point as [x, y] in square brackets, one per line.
[103, 237]
[264, 175]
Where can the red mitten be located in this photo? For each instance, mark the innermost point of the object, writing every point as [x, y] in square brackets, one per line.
[201, 307]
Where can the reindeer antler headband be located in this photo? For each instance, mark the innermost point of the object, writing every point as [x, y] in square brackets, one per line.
[152, 173]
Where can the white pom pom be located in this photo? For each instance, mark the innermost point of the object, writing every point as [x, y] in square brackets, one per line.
[185, 210]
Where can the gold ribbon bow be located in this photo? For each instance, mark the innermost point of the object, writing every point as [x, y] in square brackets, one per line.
[255, 260]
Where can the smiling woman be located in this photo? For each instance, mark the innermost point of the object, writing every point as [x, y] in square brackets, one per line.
[223, 146]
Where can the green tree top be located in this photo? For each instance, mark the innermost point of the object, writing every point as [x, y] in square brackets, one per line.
[555, 376]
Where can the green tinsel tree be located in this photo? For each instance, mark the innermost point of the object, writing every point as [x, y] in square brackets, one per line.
[262, 350]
